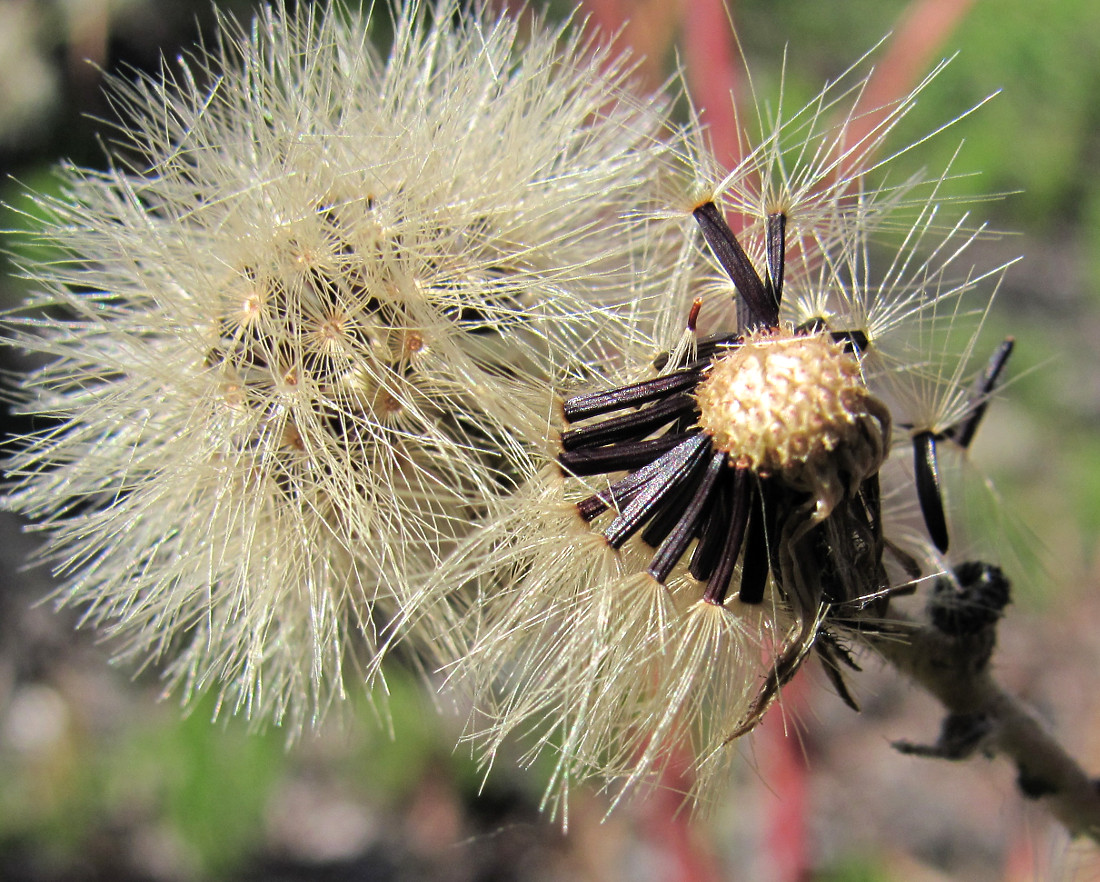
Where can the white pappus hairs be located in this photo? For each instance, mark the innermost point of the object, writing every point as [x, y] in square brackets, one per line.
[302, 328]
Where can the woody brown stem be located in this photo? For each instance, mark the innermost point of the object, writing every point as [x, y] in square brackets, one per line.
[955, 670]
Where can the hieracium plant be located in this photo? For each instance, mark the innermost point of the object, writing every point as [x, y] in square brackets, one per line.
[469, 347]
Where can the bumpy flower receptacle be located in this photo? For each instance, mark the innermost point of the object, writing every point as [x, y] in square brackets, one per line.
[794, 405]
[781, 401]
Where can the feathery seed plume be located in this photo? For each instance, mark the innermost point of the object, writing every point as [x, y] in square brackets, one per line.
[301, 328]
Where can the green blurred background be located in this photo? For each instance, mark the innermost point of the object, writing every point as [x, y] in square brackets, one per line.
[100, 781]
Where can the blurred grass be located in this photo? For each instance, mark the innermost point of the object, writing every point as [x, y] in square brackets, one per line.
[203, 794]
[203, 788]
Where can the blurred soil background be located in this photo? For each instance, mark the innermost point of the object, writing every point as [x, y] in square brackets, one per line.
[99, 780]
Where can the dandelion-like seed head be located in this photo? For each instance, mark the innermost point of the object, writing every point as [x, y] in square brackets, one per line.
[306, 320]
[727, 495]
[304, 388]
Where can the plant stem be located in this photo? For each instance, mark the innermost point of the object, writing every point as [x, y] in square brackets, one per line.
[955, 670]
